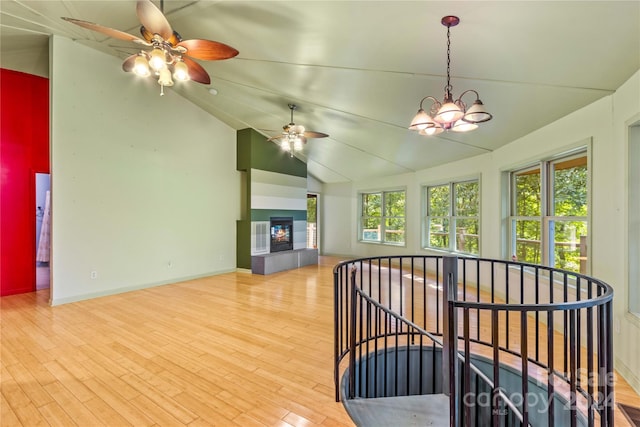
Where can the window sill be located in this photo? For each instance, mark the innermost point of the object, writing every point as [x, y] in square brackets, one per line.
[448, 252]
[372, 242]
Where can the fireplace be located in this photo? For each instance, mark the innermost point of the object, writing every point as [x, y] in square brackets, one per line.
[281, 234]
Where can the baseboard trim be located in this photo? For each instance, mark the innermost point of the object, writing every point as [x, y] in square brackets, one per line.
[628, 375]
[91, 295]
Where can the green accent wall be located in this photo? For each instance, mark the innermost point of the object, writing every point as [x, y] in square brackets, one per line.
[255, 152]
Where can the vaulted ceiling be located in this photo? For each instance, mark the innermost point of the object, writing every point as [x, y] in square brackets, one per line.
[358, 69]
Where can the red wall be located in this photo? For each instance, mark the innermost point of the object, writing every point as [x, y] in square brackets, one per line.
[24, 150]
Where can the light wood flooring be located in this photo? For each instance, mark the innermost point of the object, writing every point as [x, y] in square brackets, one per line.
[233, 349]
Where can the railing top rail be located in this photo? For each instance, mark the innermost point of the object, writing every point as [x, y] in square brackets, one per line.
[605, 297]
[398, 316]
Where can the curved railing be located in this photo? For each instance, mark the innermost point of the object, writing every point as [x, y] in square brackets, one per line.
[551, 327]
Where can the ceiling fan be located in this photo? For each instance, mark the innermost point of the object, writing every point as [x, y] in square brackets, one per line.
[169, 54]
[294, 136]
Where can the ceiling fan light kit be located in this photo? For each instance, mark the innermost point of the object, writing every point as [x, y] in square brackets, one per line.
[449, 114]
[294, 136]
[170, 56]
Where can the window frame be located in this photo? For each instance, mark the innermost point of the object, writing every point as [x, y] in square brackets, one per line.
[452, 216]
[383, 217]
[547, 215]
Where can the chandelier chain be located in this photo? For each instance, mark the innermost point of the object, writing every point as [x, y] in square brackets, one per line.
[448, 88]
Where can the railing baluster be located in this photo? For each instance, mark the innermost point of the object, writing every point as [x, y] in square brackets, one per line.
[590, 415]
[495, 341]
[524, 359]
[565, 294]
[478, 299]
[609, 369]
[352, 352]
[572, 367]
[467, 367]
[550, 373]
[506, 281]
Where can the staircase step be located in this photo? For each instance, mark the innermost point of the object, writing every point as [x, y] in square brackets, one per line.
[409, 411]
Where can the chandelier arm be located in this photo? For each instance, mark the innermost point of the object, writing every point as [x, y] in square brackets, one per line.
[469, 90]
[435, 101]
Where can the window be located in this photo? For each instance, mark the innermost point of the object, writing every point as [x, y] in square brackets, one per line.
[452, 220]
[548, 219]
[383, 217]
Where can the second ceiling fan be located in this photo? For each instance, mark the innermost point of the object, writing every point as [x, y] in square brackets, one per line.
[294, 136]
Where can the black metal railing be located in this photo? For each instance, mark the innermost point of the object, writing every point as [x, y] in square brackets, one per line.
[547, 328]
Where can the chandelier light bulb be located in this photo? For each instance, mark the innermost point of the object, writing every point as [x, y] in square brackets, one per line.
[157, 59]
[180, 71]
[477, 113]
[141, 66]
[448, 113]
[297, 144]
[286, 145]
[165, 77]
[462, 126]
[421, 121]
[431, 131]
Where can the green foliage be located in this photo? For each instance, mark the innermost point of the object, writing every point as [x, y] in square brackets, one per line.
[465, 200]
[570, 191]
[528, 202]
[568, 198]
[439, 200]
[311, 209]
[393, 220]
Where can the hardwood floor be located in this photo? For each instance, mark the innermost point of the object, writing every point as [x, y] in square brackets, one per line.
[233, 349]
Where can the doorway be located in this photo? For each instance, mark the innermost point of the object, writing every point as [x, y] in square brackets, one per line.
[43, 230]
[312, 221]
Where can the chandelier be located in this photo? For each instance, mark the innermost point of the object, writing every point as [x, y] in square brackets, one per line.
[449, 114]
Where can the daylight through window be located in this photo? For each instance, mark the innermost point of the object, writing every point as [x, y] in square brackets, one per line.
[452, 217]
[383, 217]
[548, 220]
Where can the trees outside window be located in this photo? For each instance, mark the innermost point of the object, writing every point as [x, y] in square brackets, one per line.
[383, 217]
[452, 220]
[549, 207]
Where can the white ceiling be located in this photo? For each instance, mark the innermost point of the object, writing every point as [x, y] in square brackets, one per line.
[358, 69]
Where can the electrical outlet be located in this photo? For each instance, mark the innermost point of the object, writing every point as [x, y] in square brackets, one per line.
[94, 275]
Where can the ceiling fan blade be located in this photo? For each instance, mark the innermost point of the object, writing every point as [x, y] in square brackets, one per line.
[116, 34]
[207, 50]
[273, 138]
[196, 72]
[153, 19]
[312, 134]
[129, 63]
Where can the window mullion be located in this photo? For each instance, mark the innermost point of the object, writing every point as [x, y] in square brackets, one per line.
[545, 203]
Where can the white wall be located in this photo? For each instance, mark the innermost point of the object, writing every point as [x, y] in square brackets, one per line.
[602, 126]
[136, 179]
